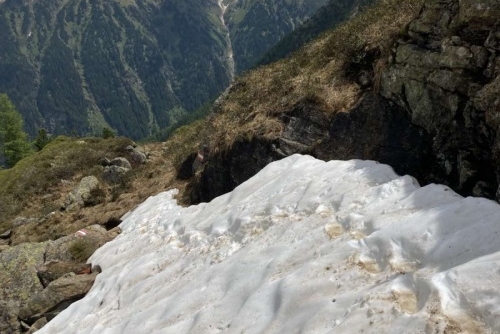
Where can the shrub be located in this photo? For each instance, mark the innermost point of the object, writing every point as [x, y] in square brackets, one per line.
[107, 133]
[81, 250]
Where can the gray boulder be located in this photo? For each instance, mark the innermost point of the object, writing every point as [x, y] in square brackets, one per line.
[68, 287]
[120, 162]
[77, 247]
[84, 194]
[114, 174]
[18, 277]
[137, 155]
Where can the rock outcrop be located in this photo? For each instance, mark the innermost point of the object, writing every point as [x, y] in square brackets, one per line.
[432, 111]
[445, 73]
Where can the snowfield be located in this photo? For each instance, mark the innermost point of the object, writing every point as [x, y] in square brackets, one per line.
[305, 246]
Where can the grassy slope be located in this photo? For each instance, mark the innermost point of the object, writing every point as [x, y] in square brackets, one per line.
[38, 185]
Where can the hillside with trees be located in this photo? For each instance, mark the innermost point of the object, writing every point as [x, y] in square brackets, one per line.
[76, 66]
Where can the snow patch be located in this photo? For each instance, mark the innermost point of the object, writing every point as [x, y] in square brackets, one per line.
[304, 246]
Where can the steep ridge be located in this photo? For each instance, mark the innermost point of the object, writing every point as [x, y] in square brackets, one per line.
[422, 101]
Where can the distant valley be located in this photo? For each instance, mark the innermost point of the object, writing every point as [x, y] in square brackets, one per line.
[76, 66]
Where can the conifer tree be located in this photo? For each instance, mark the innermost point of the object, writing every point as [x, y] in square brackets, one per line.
[41, 139]
[14, 144]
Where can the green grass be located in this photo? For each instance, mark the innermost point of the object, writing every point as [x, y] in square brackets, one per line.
[37, 175]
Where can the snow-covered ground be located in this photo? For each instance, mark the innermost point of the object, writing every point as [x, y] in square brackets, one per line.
[305, 246]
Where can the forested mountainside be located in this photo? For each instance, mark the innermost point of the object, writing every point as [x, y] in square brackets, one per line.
[327, 17]
[74, 66]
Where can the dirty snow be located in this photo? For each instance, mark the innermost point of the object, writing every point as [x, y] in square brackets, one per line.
[305, 246]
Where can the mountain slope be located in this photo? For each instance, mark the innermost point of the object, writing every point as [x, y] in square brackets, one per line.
[79, 65]
[256, 26]
[327, 17]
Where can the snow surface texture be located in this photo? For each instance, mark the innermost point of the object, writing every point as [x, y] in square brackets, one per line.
[305, 246]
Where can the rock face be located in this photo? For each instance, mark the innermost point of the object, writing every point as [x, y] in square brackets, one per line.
[445, 73]
[380, 130]
[436, 113]
[374, 129]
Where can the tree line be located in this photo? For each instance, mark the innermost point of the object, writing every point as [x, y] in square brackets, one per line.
[14, 141]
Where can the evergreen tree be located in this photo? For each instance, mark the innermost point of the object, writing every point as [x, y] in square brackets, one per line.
[41, 139]
[14, 144]
[107, 133]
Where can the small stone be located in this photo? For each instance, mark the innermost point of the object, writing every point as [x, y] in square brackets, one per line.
[456, 40]
[6, 235]
[37, 325]
[96, 269]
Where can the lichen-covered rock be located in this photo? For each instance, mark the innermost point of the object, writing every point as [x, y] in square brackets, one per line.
[75, 247]
[69, 287]
[18, 276]
[114, 174]
[9, 311]
[84, 193]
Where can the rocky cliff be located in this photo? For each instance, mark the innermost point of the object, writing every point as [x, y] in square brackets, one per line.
[428, 106]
